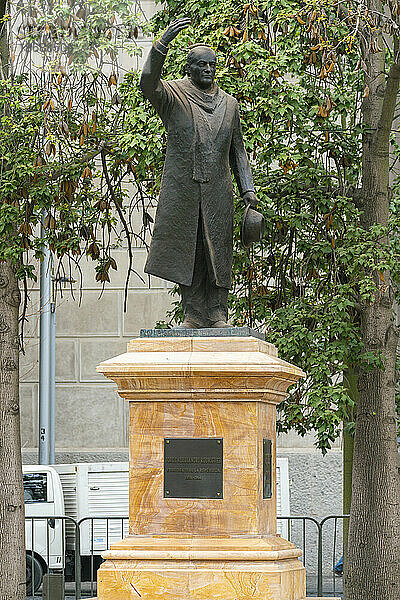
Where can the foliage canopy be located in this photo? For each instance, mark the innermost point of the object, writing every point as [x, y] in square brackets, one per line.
[61, 118]
[76, 130]
[300, 102]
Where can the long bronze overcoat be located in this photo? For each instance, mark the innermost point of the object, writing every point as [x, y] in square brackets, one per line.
[204, 138]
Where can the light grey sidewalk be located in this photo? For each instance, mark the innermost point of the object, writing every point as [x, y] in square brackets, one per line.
[333, 587]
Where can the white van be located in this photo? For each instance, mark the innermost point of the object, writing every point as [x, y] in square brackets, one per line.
[80, 491]
[44, 497]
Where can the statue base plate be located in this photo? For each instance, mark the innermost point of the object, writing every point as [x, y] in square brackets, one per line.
[204, 332]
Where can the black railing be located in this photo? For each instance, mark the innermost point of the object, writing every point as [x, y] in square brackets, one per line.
[72, 549]
[337, 548]
[46, 553]
[96, 545]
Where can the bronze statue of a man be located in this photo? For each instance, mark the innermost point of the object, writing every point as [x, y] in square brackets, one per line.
[193, 231]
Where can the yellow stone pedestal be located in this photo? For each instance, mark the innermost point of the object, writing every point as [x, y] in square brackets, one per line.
[223, 548]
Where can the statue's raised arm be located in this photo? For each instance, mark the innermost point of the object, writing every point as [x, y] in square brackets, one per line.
[151, 74]
[174, 29]
[192, 242]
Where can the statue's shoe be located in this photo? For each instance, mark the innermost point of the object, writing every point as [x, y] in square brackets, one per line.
[187, 324]
[220, 325]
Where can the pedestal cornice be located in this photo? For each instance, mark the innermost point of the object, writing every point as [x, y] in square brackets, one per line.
[228, 369]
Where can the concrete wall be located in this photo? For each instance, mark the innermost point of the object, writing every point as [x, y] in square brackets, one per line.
[315, 488]
[90, 327]
[91, 420]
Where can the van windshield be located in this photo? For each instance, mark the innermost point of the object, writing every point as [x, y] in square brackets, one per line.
[35, 487]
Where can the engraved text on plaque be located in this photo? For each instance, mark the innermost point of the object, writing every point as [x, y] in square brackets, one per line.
[193, 467]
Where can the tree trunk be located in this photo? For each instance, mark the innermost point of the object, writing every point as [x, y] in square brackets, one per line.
[372, 571]
[12, 509]
[4, 49]
[12, 527]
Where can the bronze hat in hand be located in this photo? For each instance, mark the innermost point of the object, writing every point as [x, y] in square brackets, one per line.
[252, 227]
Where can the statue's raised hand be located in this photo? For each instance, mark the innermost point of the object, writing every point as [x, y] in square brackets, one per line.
[174, 29]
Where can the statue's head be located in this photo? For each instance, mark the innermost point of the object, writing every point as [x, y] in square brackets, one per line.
[201, 62]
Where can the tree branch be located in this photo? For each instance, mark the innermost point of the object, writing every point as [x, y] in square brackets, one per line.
[85, 158]
[124, 223]
[4, 48]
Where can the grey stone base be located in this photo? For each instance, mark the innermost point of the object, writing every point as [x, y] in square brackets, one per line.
[67, 457]
[204, 332]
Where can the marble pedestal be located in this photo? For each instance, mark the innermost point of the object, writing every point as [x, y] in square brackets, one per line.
[220, 548]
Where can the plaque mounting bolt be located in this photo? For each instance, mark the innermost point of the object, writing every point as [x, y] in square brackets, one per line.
[167, 491]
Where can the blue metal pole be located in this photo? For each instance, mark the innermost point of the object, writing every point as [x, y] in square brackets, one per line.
[44, 358]
[52, 382]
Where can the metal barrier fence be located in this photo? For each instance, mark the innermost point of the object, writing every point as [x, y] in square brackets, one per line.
[304, 531]
[45, 539]
[63, 554]
[321, 551]
[330, 522]
[97, 535]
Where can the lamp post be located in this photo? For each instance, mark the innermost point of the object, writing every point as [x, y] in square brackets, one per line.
[47, 359]
[45, 356]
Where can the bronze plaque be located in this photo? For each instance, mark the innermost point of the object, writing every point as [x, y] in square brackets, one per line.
[267, 468]
[193, 468]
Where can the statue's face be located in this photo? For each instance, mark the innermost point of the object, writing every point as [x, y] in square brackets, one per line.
[202, 68]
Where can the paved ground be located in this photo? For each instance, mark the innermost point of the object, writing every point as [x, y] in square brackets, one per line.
[332, 588]
[87, 592]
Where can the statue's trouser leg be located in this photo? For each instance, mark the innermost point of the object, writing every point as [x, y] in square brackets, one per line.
[194, 300]
[217, 305]
[216, 298]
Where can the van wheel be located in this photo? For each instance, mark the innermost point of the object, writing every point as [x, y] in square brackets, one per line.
[34, 574]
